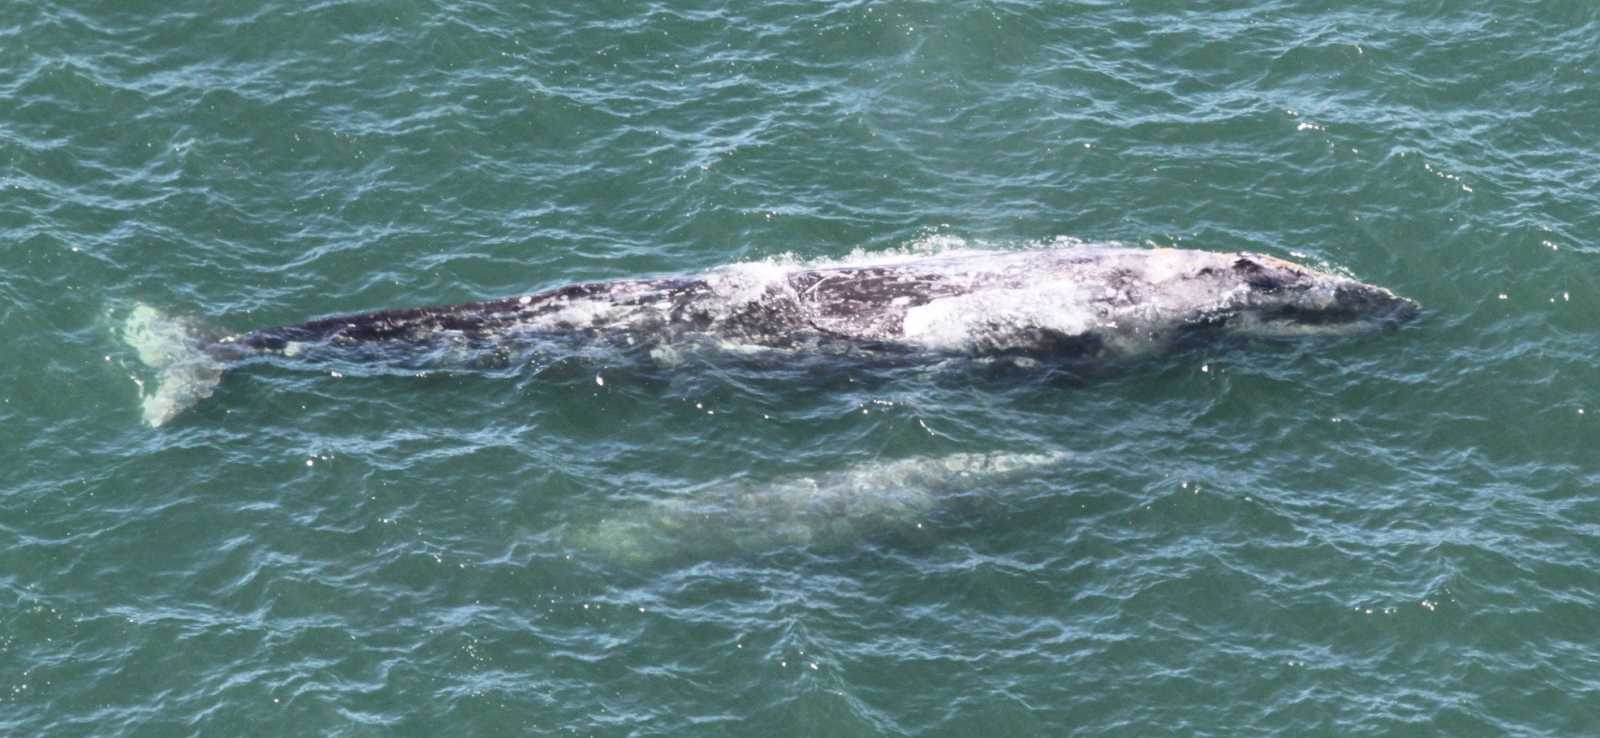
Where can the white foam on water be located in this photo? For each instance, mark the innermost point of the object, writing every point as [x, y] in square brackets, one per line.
[933, 246]
[749, 282]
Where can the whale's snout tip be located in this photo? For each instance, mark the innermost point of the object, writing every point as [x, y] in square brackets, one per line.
[1376, 304]
[1388, 307]
[1406, 309]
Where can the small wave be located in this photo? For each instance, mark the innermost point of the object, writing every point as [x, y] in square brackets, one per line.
[930, 246]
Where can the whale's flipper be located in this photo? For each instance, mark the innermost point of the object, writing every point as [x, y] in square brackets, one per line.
[188, 373]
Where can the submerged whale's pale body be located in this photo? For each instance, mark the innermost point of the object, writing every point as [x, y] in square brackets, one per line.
[1073, 303]
[819, 512]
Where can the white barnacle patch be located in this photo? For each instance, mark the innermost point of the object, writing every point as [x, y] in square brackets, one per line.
[574, 314]
[997, 319]
[1320, 297]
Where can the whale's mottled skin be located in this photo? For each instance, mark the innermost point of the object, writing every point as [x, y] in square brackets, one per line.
[1086, 302]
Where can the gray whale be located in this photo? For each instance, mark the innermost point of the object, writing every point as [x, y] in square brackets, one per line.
[1080, 303]
[822, 511]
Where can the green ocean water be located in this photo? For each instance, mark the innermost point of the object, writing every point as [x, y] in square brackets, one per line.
[1390, 535]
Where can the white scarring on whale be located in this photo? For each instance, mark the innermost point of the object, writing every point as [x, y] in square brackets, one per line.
[1080, 303]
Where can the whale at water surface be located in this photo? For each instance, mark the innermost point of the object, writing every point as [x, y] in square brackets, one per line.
[1079, 303]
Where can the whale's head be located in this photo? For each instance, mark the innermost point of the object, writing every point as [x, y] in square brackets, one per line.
[1281, 298]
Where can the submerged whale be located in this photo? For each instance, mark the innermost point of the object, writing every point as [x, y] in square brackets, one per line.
[820, 512]
[1079, 303]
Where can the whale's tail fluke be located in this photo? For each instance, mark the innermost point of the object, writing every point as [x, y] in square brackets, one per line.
[177, 349]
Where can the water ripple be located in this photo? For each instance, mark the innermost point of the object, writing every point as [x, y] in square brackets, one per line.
[1378, 536]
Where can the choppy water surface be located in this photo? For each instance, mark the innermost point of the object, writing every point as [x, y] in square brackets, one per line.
[1386, 535]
